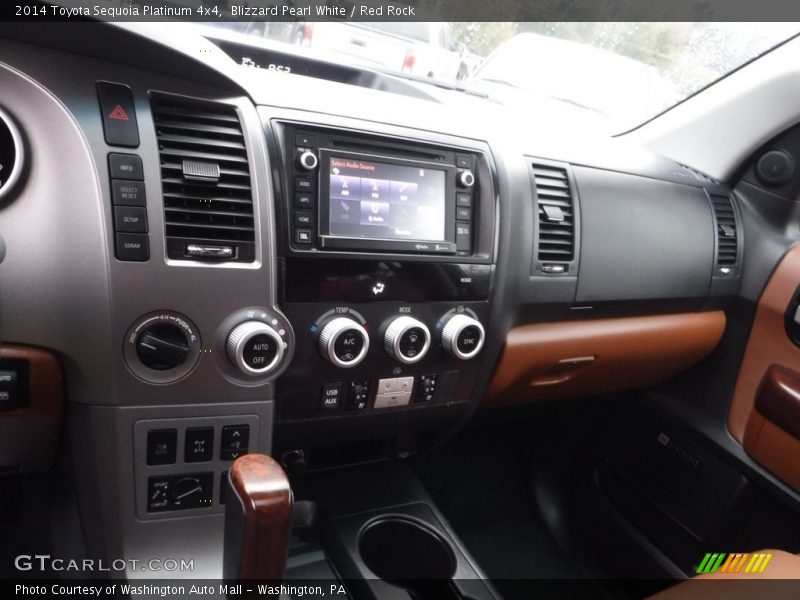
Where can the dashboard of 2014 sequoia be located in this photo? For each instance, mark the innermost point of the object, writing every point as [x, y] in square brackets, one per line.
[322, 268]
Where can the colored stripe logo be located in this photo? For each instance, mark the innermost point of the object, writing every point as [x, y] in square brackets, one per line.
[722, 562]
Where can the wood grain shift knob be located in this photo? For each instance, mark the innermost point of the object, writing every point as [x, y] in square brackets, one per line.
[258, 519]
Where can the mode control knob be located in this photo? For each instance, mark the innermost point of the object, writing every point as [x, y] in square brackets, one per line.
[465, 178]
[344, 342]
[407, 339]
[462, 336]
[308, 160]
[255, 347]
[162, 346]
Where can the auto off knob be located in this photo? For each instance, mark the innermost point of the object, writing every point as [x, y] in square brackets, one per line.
[255, 347]
[308, 160]
[344, 342]
[462, 336]
[407, 340]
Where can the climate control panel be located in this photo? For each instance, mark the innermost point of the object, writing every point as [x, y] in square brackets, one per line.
[369, 359]
[250, 345]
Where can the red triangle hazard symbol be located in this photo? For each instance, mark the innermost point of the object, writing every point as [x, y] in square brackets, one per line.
[118, 113]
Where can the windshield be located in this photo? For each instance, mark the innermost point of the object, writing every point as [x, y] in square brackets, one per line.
[618, 74]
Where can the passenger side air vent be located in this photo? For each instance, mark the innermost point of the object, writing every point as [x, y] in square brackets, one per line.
[555, 217]
[727, 232]
[205, 177]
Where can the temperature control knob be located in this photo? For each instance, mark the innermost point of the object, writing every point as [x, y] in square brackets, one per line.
[462, 336]
[344, 342]
[307, 160]
[407, 340]
[255, 347]
[465, 178]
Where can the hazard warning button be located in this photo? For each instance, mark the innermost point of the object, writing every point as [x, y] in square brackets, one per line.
[119, 116]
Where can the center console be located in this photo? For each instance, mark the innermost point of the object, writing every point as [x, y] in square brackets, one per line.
[386, 263]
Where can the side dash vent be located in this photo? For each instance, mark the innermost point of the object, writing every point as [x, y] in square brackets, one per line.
[205, 179]
[555, 209]
[727, 233]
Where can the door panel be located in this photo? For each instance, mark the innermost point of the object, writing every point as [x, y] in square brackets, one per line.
[760, 415]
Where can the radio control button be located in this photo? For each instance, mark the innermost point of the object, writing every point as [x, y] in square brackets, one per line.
[304, 184]
[303, 218]
[463, 161]
[304, 200]
[463, 214]
[465, 178]
[464, 200]
[302, 236]
[462, 337]
[407, 339]
[344, 342]
[305, 140]
[307, 160]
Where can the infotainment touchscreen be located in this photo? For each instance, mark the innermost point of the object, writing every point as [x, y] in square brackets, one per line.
[382, 201]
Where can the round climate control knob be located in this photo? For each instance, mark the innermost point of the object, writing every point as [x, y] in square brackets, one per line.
[462, 336]
[407, 340]
[255, 347]
[308, 160]
[344, 342]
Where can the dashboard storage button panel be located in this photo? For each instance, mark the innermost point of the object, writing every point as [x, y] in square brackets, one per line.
[197, 453]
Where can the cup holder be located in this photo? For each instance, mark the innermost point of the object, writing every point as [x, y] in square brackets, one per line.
[409, 553]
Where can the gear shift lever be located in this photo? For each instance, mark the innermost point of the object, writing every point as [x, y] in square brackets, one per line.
[258, 519]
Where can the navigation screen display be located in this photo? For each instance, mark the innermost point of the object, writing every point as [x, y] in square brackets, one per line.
[384, 201]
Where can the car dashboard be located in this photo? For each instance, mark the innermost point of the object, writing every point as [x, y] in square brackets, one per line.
[203, 245]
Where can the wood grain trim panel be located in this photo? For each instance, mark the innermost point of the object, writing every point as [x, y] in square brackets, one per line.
[265, 496]
[778, 399]
[768, 343]
[549, 361]
[29, 435]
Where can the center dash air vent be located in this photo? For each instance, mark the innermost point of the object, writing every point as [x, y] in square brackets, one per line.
[727, 231]
[555, 217]
[205, 177]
